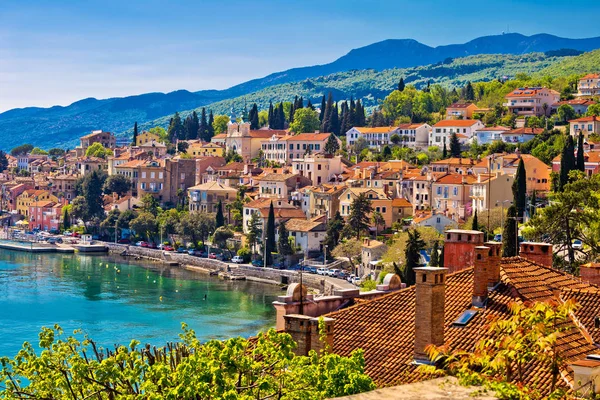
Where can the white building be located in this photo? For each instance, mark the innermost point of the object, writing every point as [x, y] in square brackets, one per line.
[489, 135]
[442, 131]
[308, 235]
[376, 137]
[414, 135]
[319, 169]
[520, 135]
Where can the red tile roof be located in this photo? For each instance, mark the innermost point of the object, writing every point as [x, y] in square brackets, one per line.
[590, 76]
[320, 137]
[525, 131]
[456, 122]
[592, 118]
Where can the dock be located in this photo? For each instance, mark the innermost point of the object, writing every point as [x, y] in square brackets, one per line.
[33, 247]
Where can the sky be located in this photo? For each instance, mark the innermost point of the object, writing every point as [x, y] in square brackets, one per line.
[56, 52]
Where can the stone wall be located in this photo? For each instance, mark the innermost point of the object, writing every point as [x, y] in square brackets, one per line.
[317, 282]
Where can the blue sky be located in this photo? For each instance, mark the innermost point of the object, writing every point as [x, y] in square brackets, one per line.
[60, 51]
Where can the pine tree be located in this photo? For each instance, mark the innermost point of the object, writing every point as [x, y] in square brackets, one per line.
[332, 145]
[322, 111]
[580, 154]
[326, 123]
[469, 92]
[334, 120]
[203, 127]
[271, 116]
[334, 229]
[519, 189]
[567, 163]
[211, 128]
[358, 220]
[254, 124]
[435, 255]
[454, 145]
[219, 219]
[135, 134]
[412, 254]
[175, 130]
[509, 236]
[401, 84]
[92, 192]
[283, 243]
[270, 238]
[475, 224]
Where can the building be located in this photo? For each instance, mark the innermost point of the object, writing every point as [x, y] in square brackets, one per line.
[380, 202]
[415, 136]
[371, 253]
[123, 203]
[376, 137]
[437, 221]
[199, 149]
[589, 85]
[206, 197]
[490, 191]
[146, 137]
[442, 131]
[455, 165]
[254, 207]
[319, 169]
[308, 235]
[579, 105]
[24, 160]
[538, 173]
[592, 162]
[521, 135]
[280, 185]
[307, 143]
[401, 209]
[531, 101]
[130, 169]
[86, 165]
[29, 197]
[45, 215]
[106, 139]
[63, 186]
[451, 195]
[321, 200]
[167, 180]
[461, 111]
[586, 125]
[247, 143]
[490, 134]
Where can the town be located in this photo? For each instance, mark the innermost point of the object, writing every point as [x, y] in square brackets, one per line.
[433, 213]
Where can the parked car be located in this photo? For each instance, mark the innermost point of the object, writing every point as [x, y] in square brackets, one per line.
[237, 259]
[152, 245]
[76, 234]
[498, 237]
[124, 241]
[258, 263]
[333, 272]
[212, 256]
[68, 233]
[311, 270]
[140, 244]
[182, 249]
[168, 247]
[54, 240]
[322, 271]
[577, 244]
[350, 277]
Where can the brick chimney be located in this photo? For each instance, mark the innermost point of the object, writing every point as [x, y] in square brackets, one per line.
[430, 292]
[481, 275]
[459, 248]
[540, 253]
[590, 272]
[316, 343]
[495, 259]
[304, 330]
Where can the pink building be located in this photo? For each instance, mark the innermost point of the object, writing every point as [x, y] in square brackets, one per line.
[531, 101]
[45, 215]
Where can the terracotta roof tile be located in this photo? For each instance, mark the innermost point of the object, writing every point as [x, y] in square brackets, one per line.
[456, 122]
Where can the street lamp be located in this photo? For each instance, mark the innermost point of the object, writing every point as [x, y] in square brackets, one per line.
[301, 308]
[265, 252]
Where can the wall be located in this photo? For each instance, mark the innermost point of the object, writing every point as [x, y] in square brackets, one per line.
[184, 259]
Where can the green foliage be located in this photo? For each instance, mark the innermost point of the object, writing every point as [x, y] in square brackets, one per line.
[284, 248]
[161, 133]
[368, 284]
[593, 110]
[118, 184]
[144, 224]
[435, 255]
[412, 254]
[350, 249]
[233, 369]
[195, 226]
[245, 253]
[332, 145]
[567, 162]
[568, 66]
[97, 150]
[219, 219]
[92, 193]
[509, 236]
[3, 161]
[455, 148]
[519, 189]
[306, 120]
[21, 150]
[38, 151]
[565, 113]
[254, 231]
[334, 229]
[358, 220]
[270, 235]
[221, 236]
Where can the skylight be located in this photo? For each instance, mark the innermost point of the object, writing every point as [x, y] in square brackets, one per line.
[464, 318]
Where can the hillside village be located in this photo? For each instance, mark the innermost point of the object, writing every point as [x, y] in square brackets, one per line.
[442, 219]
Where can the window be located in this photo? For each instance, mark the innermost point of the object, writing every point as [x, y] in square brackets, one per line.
[317, 147]
[377, 209]
[383, 209]
[143, 175]
[438, 220]
[456, 191]
[319, 166]
[439, 190]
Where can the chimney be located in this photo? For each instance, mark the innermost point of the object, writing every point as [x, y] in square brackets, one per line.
[590, 273]
[316, 343]
[459, 248]
[586, 376]
[430, 294]
[481, 275]
[299, 327]
[540, 253]
[366, 241]
[495, 259]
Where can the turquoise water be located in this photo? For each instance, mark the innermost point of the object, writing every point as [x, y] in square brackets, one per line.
[113, 301]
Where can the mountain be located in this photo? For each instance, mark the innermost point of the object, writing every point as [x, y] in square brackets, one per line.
[61, 126]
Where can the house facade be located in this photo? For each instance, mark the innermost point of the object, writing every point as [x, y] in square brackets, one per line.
[531, 101]
[586, 125]
[442, 131]
[521, 135]
[589, 85]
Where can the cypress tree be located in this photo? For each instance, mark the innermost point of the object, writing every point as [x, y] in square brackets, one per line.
[412, 254]
[361, 119]
[292, 110]
[191, 126]
[280, 117]
[441, 261]
[323, 107]
[335, 120]
[203, 127]
[135, 134]
[509, 236]
[532, 203]
[254, 124]
[283, 243]
[66, 219]
[352, 112]
[469, 92]
[435, 255]
[444, 151]
[210, 127]
[475, 224]
[454, 145]
[271, 116]
[175, 130]
[580, 154]
[519, 189]
[300, 103]
[567, 163]
[401, 84]
[270, 238]
[332, 145]
[219, 219]
[309, 105]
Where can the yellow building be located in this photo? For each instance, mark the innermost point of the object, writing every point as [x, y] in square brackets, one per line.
[199, 149]
[30, 197]
[146, 137]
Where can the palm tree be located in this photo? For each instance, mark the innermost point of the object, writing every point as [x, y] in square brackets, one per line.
[378, 219]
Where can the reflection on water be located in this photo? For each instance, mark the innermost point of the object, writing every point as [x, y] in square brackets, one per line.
[114, 301]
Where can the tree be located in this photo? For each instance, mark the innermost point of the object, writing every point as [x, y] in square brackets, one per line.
[191, 126]
[182, 147]
[219, 219]
[306, 120]
[509, 236]
[475, 223]
[593, 110]
[66, 218]
[445, 151]
[36, 151]
[92, 192]
[135, 134]
[351, 249]
[334, 229]
[322, 110]
[358, 220]
[175, 130]
[221, 236]
[567, 162]
[125, 219]
[210, 128]
[359, 117]
[262, 368]
[435, 255]
[203, 127]
[566, 113]
[119, 184]
[270, 245]
[332, 145]
[97, 150]
[150, 204]
[412, 254]
[469, 92]
[401, 84]
[196, 226]
[3, 161]
[21, 150]
[79, 208]
[455, 149]
[580, 163]
[56, 152]
[386, 153]
[378, 221]
[254, 231]
[110, 223]
[519, 189]
[144, 224]
[220, 124]
[395, 139]
[168, 221]
[254, 125]
[161, 133]
[283, 243]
